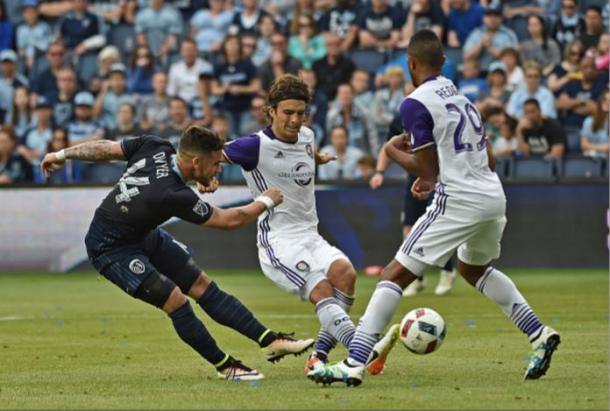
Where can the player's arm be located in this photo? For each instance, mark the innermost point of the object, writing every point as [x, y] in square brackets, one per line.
[98, 150]
[322, 158]
[383, 161]
[235, 217]
[491, 159]
[422, 162]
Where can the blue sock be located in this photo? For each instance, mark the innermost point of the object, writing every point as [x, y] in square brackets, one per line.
[229, 311]
[192, 331]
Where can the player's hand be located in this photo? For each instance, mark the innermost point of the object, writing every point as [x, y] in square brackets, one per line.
[210, 188]
[50, 163]
[421, 189]
[324, 158]
[275, 194]
[401, 142]
[376, 181]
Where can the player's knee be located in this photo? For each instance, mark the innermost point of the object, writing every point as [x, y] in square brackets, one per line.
[188, 276]
[322, 290]
[158, 290]
[175, 300]
[201, 284]
[398, 274]
[342, 275]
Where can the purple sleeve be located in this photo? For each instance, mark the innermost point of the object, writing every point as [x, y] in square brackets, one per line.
[417, 121]
[243, 151]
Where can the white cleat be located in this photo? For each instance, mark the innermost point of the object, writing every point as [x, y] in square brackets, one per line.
[286, 345]
[234, 370]
[445, 282]
[544, 346]
[339, 372]
[415, 287]
[380, 352]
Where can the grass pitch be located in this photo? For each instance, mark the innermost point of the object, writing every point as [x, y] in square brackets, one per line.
[76, 341]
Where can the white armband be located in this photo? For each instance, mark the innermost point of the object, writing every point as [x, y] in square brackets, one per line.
[267, 201]
[61, 155]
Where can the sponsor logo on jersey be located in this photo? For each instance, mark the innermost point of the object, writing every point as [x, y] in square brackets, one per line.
[301, 173]
[303, 266]
[309, 150]
[279, 154]
[136, 266]
[200, 208]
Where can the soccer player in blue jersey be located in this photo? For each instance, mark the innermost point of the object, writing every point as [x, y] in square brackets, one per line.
[449, 152]
[126, 245]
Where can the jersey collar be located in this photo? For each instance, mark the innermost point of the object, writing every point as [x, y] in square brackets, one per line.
[176, 169]
[269, 133]
[432, 77]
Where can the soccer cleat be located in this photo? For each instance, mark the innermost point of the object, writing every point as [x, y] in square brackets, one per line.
[314, 362]
[234, 370]
[544, 346]
[379, 355]
[415, 287]
[284, 345]
[338, 372]
[445, 282]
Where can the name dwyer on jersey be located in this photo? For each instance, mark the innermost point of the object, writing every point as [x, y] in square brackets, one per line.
[161, 165]
[301, 173]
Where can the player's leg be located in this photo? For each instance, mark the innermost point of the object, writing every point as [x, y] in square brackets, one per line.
[474, 258]
[446, 279]
[413, 210]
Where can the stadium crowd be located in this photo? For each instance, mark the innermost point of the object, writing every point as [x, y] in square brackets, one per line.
[78, 70]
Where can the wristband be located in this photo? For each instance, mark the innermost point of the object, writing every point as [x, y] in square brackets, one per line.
[61, 155]
[267, 201]
[380, 171]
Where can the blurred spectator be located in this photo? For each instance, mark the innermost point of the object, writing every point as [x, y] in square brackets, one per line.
[568, 69]
[539, 47]
[281, 9]
[14, 168]
[538, 135]
[183, 79]
[515, 76]
[153, 110]
[577, 98]
[602, 57]
[112, 95]
[35, 142]
[70, 172]
[570, 24]
[334, 69]
[115, 11]
[345, 112]
[126, 124]
[203, 102]
[262, 52]
[302, 8]
[63, 100]
[209, 26]
[318, 105]
[594, 132]
[248, 46]
[361, 86]
[517, 12]
[342, 21]
[20, 117]
[464, 16]
[486, 42]
[366, 167]
[279, 62]
[471, 85]
[220, 125]
[379, 26]
[45, 82]
[83, 128]
[235, 83]
[81, 30]
[179, 120]
[258, 118]
[594, 26]
[246, 20]
[10, 79]
[306, 46]
[346, 164]
[387, 100]
[496, 95]
[532, 89]
[159, 26]
[500, 130]
[52, 10]
[7, 29]
[422, 14]
[141, 71]
[108, 56]
[33, 36]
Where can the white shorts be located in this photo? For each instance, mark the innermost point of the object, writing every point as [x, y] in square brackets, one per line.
[439, 232]
[297, 265]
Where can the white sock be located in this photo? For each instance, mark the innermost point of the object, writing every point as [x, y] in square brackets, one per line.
[335, 321]
[325, 341]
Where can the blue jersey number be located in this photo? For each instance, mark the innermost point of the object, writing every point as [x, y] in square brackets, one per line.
[472, 114]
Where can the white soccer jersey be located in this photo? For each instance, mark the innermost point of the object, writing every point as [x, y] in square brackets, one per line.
[436, 113]
[268, 162]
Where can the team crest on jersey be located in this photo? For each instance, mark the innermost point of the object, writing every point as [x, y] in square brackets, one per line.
[136, 266]
[309, 150]
[303, 266]
[200, 208]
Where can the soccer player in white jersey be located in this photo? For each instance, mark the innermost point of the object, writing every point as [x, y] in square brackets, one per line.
[447, 149]
[291, 252]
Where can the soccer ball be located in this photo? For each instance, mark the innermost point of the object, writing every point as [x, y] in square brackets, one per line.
[422, 330]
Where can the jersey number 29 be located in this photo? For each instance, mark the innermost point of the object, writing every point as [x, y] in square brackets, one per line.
[472, 114]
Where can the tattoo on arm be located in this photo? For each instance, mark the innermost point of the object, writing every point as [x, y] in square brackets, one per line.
[99, 150]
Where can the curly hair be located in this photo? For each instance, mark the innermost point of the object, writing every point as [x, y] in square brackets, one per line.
[288, 87]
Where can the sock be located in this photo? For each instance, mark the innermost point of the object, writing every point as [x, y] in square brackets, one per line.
[449, 265]
[335, 320]
[228, 310]
[192, 331]
[325, 341]
[499, 288]
[379, 312]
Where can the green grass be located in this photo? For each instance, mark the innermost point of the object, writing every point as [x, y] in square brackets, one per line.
[76, 341]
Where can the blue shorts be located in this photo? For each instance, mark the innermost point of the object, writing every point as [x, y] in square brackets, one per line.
[128, 265]
[413, 208]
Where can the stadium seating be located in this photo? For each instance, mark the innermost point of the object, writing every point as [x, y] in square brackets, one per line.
[504, 167]
[582, 167]
[533, 168]
[572, 139]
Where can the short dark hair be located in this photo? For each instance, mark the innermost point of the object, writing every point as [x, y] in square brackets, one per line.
[427, 48]
[288, 87]
[595, 8]
[532, 101]
[200, 140]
